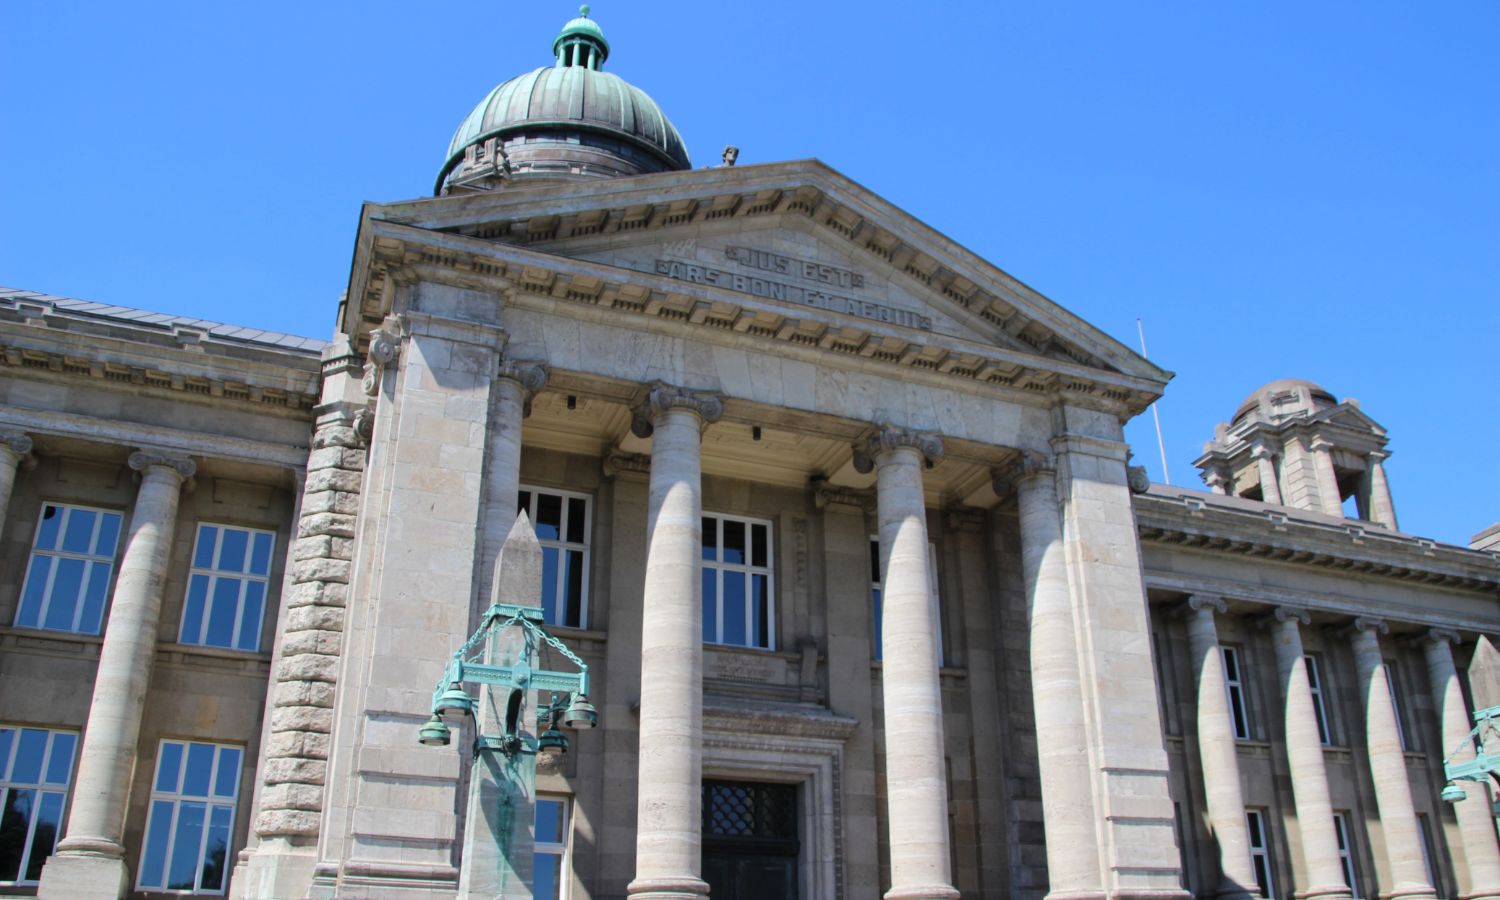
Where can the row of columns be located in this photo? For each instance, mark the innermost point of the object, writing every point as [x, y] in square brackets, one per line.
[1317, 489]
[1219, 760]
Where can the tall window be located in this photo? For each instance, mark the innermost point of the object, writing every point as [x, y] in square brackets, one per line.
[1315, 687]
[737, 606]
[1260, 850]
[72, 559]
[877, 598]
[1428, 851]
[1398, 707]
[192, 818]
[1234, 681]
[35, 768]
[550, 862]
[1341, 828]
[561, 520]
[226, 594]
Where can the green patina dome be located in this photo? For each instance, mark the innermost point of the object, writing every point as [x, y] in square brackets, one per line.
[570, 119]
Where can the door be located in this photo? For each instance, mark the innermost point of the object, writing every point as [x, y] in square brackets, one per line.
[750, 840]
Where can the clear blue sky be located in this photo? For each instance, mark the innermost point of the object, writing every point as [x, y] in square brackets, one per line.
[1301, 190]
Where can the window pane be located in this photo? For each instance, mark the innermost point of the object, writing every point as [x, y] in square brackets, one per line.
[7, 737]
[193, 609]
[260, 556]
[66, 584]
[548, 517]
[549, 585]
[30, 752]
[573, 592]
[734, 541]
[15, 820]
[232, 547]
[874, 562]
[36, 587]
[760, 610]
[158, 830]
[734, 608]
[93, 598]
[109, 534]
[228, 777]
[50, 527]
[875, 603]
[48, 818]
[577, 518]
[546, 882]
[183, 873]
[200, 767]
[710, 606]
[710, 537]
[78, 536]
[760, 549]
[223, 612]
[1231, 665]
[203, 556]
[523, 503]
[60, 763]
[549, 821]
[216, 850]
[255, 597]
[169, 768]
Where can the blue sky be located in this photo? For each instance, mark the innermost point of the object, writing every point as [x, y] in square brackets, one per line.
[1279, 190]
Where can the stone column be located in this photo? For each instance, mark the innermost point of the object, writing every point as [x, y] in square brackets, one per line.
[1398, 816]
[1265, 461]
[1217, 752]
[915, 767]
[1068, 813]
[668, 861]
[1304, 750]
[1328, 481]
[90, 859]
[1382, 508]
[1474, 822]
[15, 448]
[510, 404]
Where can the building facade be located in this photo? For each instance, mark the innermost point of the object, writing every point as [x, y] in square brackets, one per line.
[839, 515]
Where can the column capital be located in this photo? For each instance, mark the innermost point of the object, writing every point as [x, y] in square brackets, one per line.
[144, 460]
[1376, 457]
[1320, 444]
[531, 375]
[1292, 614]
[1367, 623]
[890, 437]
[1441, 636]
[1209, 602]
[663, 398]
[17, 444]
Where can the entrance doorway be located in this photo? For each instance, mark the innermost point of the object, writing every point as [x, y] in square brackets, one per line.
[750, 841]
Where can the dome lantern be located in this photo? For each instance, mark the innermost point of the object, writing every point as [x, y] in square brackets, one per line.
[581, 43]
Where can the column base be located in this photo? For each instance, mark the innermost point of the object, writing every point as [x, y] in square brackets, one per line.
[1481, 894]
[1077, 895]
[274, 870]
[1325, 892]
[684, 888]
[922, 892]
[82, 875]
[1410, 892]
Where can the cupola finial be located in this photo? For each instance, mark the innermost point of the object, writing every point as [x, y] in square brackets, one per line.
[581, 43]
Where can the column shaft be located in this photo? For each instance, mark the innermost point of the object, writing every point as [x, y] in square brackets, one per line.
[502, 470]
[1217, 752]
[89, 862]
[1474, 822]
[668, 819]
[1304, 750]
[1382, 508]
[1328, 482]
[1398, 816]
[1057, 698]
[1270, 490]
[916, 770]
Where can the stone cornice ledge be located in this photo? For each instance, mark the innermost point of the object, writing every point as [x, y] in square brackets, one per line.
[780, 719]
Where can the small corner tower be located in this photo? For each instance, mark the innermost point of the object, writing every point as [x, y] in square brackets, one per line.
[1293, 443]
[570, 121]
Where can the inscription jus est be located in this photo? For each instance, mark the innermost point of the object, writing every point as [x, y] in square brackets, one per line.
[817, 274]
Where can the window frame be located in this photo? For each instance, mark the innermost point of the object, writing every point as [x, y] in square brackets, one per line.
[768, 571]
[89, 559]
[1314, 669]
[877, 602]
[1343, 832]
[214, 574]
[1257, 823]
[564, 850]
[1234, 686]
[177, 798]
[1406, 734]
[42, 787]
[1429, 852]
[562, 545]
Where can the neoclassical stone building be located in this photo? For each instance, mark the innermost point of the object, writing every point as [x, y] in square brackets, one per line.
[839, 515]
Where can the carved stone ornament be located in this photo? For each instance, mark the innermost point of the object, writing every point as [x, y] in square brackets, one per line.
[385, 346]
[826, 494]
[1442, 636]
[1365, 623]
[364, 425]
[1028, 464]
[142, 460]
[889, 438]
[1137, 479]
[617, 462]
[663, 397]
[16, 442]
[531, 376]
[1289, 613]
[1199, 602]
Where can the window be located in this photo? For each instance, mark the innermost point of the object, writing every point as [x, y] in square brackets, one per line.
[35, 768]
[550, 863]
[1315, 687]
[877, 598]
[737, 607]
[1236, 687]
[1346, 851]
[226, 594]
[1260, 850]
[561, 520]
[1427, 853]
[1398, 708]
[192, 817]
[72, 559]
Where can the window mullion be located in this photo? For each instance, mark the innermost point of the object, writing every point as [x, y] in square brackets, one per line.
[41, 616]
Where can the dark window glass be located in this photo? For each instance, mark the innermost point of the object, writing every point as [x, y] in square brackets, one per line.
[548, 517]
[710, 606]
[710, 538]
[734, 542]
[577, 519]
[760, 549]
[734, 609]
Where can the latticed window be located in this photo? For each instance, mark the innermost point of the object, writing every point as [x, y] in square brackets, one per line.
[35, 768]
[67, 578]
[737, 603]
[550, 860]
[749, 810]
[226, 596]
[561, 520]
[192, 818]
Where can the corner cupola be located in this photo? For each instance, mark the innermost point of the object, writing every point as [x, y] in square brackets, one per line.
[570, 121]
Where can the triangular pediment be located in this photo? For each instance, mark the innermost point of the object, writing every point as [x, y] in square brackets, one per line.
[795, 233]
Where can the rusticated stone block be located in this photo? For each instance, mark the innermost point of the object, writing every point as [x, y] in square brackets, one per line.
[336, 436]
[295, 770]
[315, 617]
[321, 570]
[342, 502]
[308, 666]
[301, 718]
[316, 523]
[336, 458]
[289, 822]
[333, 480]
[326, 643]
[292, 795]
